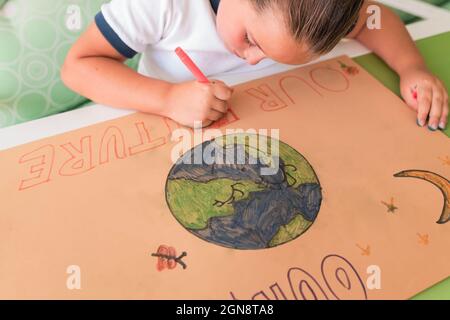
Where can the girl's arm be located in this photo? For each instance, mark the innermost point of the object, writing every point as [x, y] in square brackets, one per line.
[94, 69]
[395, 46]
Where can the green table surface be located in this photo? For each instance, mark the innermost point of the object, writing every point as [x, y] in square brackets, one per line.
[436, 51]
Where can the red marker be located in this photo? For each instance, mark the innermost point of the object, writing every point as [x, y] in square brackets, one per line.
[191, 66]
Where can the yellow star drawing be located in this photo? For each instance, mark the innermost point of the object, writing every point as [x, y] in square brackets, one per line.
[424, 239]
[445, 161]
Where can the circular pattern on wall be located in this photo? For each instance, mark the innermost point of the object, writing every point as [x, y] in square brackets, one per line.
[59, 94]
[6, 117]
[11, 48]
[35, 37]
[31, 105]
[39, 34]
[37, 70]
[45, 7]
[60, 53]
[11, 85]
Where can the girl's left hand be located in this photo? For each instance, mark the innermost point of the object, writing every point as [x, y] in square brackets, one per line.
[427, 95]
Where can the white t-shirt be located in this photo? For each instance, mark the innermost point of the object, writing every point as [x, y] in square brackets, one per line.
[156, 28]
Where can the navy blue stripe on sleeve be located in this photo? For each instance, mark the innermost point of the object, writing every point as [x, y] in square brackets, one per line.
[215, 5]
[112, 37]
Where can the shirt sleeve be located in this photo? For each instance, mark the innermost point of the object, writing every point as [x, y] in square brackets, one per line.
[132, 25]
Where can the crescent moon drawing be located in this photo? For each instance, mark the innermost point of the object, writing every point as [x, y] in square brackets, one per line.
[442, 183]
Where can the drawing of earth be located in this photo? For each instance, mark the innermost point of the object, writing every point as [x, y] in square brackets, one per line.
[232, 203]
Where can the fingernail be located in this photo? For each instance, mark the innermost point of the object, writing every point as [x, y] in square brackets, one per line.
[432, 127]
[442, 126]
[419, 123]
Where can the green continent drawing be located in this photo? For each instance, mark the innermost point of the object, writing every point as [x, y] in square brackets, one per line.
[234, 202]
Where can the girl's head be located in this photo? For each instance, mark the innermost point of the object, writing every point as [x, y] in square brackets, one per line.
[287, 31]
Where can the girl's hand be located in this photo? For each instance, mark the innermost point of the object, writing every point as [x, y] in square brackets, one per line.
[190, 102]
[427, 95]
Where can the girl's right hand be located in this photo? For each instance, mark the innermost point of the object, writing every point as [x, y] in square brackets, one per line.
[191, 102]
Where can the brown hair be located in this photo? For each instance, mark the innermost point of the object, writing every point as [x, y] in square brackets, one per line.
[322, 23]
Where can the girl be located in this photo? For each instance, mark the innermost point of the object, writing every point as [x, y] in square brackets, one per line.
[228, 35]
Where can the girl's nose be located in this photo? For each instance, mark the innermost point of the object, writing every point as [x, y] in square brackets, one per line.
[254, 57]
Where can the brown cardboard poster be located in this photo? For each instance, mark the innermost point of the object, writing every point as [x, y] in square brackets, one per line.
[359, 208]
